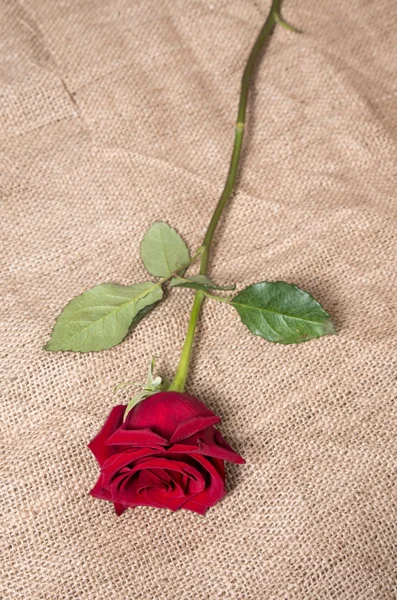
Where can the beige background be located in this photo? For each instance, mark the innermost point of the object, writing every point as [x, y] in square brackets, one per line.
[115, 114]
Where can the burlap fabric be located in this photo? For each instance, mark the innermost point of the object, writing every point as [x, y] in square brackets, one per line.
[118, 113]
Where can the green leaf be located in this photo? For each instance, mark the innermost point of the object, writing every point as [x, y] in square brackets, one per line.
[282, 313]
[163, 251]
[100, 318]
[199, 282]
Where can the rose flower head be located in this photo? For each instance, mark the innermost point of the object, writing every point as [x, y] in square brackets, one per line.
[166, 454]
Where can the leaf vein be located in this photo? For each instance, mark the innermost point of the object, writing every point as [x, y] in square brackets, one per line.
[249, 306]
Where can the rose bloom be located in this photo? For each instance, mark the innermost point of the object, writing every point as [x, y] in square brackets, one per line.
[166, 454]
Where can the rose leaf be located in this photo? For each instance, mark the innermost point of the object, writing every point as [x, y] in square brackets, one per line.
[101, 317]
[163, 251]
[282, 313]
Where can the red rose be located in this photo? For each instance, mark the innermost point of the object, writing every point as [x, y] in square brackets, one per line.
[166, 454]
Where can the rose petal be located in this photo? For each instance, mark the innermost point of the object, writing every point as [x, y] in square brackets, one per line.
[170, 465]
[163, 412]
[146, 488]
[113, 465]
[215, 489]
[142, 438]
[97, 444]
[119, 508]
[99, 491]
[209, 443]
[193, 426]
[193, 506]
[146, 479]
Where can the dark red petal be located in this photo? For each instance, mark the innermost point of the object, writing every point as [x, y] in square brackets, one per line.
[103, 494]
[146, 488]
[163, 412]
[146, 499]
[222, 444]
[99, 491]
[116, 462]
[127, 487]
[119, 508]
[195, 507]
[97, 444]
[169, 465]
[118, 488]
[215, 489]
[149, 479]
[142, 438]
[209, 443]
[193, 426]
[219, 466]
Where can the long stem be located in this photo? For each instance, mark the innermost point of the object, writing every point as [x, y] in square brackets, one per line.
[273, 17]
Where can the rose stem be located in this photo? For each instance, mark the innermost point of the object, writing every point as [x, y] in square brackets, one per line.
[274, 16]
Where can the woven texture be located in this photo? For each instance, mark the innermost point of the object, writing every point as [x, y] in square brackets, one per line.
[118, 113]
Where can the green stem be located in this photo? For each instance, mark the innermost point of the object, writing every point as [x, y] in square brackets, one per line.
[178, 384]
